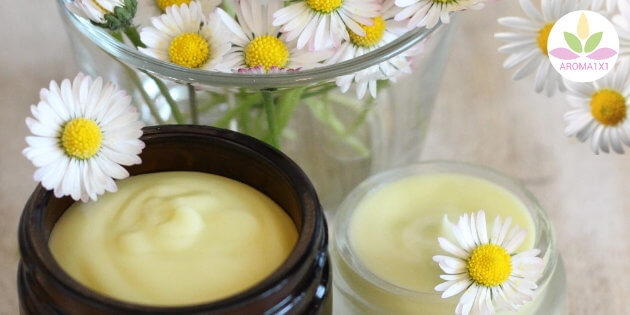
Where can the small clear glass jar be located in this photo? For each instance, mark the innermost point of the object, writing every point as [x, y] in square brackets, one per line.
[357, 290]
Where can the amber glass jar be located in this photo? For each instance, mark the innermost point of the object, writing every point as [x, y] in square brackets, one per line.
[301, 285]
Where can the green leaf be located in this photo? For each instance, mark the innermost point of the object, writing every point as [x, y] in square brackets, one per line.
[286, 105]
[592, 42]
[573, 42]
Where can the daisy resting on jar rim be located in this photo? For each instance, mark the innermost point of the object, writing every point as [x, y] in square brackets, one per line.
[486, 268]
[83, 131]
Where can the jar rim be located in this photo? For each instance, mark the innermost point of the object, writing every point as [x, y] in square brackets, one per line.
[544, 231]
[135, 58]
[312, 236]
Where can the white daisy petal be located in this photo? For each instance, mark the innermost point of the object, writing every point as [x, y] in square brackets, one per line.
[451, 248]
[456, 288]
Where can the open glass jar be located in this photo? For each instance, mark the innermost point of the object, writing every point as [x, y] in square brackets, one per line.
[358, 290]
[337, 139]
[301, 285]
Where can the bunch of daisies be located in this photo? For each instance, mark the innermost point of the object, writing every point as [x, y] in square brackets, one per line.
[600, 109]
[273, 36]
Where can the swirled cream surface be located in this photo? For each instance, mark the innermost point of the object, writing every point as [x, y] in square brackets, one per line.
[173, 238]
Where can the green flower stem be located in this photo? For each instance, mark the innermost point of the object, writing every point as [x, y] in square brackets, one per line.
[320, 110]
[192, 101]
[216, 99]
[286, 106]
[318, 90]
[133, 76]
[241, 108]
[270, 113]
[145, 96]
[169, 99]
[134, 36]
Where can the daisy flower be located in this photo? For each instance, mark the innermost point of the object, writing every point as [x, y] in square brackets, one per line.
[82, 133]
[427, 13]
[321, 24]
[94, 10]
[601, 109]
[256, 42]
[150, 8]
[605, 7]
[528, 45]
[102, 13]
[186, 38]
[207, 6]
[486, 268]
[622, 24]
[383, 31]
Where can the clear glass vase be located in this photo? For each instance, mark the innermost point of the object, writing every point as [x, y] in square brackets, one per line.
[337, 138]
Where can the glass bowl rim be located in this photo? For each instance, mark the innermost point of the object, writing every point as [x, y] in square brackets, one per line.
[136, 59]
[544, 232]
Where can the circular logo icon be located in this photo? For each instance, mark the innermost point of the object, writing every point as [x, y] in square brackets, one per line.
[583, 46]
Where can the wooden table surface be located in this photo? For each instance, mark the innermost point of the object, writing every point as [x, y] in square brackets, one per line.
[481, 116]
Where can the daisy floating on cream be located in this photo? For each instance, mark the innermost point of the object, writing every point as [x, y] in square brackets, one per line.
[82, 133]
[485, 267]
[383, 31]
[186, 38]
[427, 13]
[257, 44]
[528, 45]
[104, 13]
[321, 24]
[622, 24]
[601, 110]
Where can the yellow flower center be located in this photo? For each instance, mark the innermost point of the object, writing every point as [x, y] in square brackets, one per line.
[489, 265]
[81, 138]
[608, 107]
[373, 33]
[324, 6]
[266, 51]
[189, 50]
[543, 36]
[163, 4]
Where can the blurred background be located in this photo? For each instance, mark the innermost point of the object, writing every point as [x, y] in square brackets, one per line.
[481, 117]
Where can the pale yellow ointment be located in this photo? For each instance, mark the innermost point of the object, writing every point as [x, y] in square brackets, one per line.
[173, 238]
[394, 230]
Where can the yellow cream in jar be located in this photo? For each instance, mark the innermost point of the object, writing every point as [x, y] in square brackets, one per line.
[173, 238]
